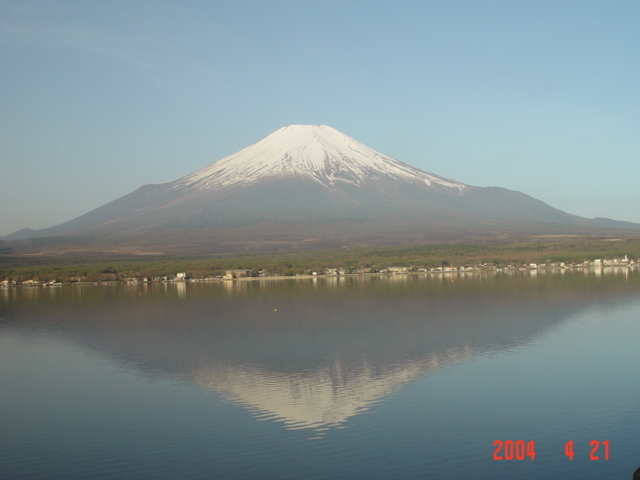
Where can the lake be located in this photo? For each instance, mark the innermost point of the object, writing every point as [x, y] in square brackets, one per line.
[444, 376]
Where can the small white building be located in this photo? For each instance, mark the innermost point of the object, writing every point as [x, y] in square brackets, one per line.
[398, 269]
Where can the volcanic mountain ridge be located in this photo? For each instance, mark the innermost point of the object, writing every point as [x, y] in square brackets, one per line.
[312, 186]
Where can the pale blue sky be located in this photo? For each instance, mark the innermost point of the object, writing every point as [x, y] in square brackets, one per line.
[98, 98]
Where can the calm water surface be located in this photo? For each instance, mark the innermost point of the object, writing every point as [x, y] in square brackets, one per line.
[410, 376]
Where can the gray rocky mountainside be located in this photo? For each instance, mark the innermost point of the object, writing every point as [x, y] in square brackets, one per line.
[312, 186]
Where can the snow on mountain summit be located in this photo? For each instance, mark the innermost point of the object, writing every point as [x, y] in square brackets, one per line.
[318, 152]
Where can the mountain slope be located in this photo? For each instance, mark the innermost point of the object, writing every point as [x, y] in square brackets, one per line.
[307, 183]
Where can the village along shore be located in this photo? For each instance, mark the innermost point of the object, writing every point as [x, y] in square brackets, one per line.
[243, 275]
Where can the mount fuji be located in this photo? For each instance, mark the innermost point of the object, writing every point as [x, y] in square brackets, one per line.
[312, 186]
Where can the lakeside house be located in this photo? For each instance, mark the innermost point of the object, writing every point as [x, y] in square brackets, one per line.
[237, 273]
[399, 269]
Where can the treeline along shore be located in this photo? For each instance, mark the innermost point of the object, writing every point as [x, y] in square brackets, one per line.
[603, 253]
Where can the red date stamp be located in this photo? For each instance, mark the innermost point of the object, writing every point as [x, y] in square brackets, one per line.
[523, 450]
[595, 453]
[514, 450]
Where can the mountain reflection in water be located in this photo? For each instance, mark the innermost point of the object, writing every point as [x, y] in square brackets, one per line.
[309, 353]
[327, 396]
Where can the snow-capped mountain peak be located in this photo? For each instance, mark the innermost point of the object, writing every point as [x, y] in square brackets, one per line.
[308, 186]
[317, 152]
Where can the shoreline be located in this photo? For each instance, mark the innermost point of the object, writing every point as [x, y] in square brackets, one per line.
[453, 271]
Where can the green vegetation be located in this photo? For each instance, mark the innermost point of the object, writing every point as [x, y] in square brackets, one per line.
[300, 262]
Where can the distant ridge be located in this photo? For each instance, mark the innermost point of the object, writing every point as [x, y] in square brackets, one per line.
[22, 233]
[306, 186]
